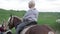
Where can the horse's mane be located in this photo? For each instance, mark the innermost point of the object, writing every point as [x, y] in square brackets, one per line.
[16, 17]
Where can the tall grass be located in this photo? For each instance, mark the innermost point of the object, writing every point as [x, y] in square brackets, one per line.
[44, 17]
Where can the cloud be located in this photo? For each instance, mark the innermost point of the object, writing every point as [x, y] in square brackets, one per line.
[48, 5]
[41, 5]
[51, 0]
[12, 4]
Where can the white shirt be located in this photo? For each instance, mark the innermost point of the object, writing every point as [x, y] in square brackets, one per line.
[31, 14]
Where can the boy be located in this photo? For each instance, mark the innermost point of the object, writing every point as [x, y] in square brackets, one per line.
[29, 18]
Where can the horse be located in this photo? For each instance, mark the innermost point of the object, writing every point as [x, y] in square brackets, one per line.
[31, 29]
[4, 28]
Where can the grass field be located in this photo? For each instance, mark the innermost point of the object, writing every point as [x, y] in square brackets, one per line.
[44, 17]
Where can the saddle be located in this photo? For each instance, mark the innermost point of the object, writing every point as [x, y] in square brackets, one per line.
[29, 25]
[26, 29]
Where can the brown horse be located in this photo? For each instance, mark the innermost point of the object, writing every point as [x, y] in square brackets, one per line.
[32, 29]
[4, 29]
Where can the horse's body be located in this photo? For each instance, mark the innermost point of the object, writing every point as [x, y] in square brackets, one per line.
[31, 29]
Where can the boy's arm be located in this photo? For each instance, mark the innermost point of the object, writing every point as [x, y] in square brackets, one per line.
[24, 15]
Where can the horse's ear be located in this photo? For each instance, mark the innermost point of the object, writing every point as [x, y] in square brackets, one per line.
[11, 15]
[5, 24]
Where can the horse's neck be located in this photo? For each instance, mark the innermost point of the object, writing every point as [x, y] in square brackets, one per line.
[17, 22]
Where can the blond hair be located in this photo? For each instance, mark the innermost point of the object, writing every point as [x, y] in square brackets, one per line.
[31, 4]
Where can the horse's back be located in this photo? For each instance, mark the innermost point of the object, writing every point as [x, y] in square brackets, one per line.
[40, 29]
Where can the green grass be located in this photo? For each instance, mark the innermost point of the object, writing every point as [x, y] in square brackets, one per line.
[44, 17]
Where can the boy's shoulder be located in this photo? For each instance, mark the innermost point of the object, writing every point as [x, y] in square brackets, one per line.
[33, 9]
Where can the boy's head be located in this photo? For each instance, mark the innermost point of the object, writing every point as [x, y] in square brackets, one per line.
[31, 4]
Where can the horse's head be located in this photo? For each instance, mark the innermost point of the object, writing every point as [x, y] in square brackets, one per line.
[13, 21]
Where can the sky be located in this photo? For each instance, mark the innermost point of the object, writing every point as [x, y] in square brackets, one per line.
[41, 5]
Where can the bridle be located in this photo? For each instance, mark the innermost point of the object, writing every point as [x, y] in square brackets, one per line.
[10, 23]
[14, 21]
